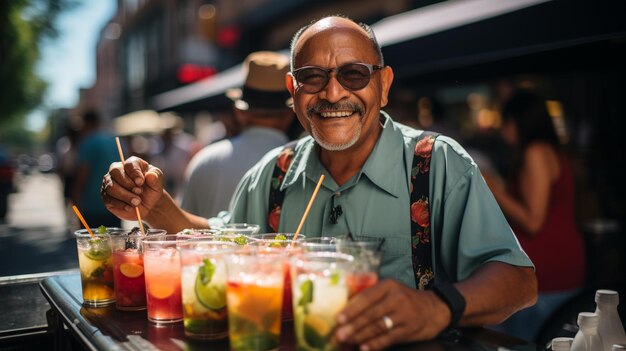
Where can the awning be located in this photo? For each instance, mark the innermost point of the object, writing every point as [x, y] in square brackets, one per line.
[542, 36]
[454, 34]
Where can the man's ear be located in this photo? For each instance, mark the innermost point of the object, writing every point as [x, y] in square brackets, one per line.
[291, 87]
[386, 78]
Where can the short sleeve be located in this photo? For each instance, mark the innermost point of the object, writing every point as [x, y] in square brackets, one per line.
[470, 229]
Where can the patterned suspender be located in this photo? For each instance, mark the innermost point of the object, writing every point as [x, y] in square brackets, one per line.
[277, 196]
[421, 247]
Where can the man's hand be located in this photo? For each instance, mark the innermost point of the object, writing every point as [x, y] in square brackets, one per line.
[391, 313]
[135, 183]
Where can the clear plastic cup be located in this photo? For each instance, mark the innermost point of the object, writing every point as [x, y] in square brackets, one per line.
[96, 266]
[320, 291]
[161, 261]
[368, 253]
[203, 264]
[254, 298]
[128, 270]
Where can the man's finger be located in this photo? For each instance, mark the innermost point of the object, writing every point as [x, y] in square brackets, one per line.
[135, 168]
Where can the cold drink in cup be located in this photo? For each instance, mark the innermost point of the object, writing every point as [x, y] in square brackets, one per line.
[367, 253]
[204, 287]
[96, 267]
[162, 273]
[281, 242]
[128, 270]
[320, 291]
[254, 295]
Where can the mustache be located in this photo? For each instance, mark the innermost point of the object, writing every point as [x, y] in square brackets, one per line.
[327, 106]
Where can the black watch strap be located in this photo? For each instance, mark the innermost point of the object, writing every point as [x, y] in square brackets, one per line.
[453, 298]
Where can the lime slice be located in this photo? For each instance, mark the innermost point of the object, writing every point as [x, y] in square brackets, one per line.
[98, 254]
[240, 240]
[209, 295]
[316, 331]
[131, 270]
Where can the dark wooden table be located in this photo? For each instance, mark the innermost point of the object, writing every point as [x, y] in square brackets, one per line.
[110, 329]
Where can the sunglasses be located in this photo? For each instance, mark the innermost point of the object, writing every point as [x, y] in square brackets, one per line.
[352, 76]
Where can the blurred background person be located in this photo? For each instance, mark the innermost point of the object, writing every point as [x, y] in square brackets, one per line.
[96, 151]
[173, 153]
[67, 159]
[262, 110]
[538, 199]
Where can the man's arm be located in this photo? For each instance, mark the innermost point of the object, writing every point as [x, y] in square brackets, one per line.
[496, 291]
[492, 293]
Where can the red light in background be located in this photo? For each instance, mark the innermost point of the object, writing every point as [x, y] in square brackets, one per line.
[227, 37]
[189, 73]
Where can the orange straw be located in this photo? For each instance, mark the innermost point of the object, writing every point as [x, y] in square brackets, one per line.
[80, 216]
[308, 207]
[119, 149]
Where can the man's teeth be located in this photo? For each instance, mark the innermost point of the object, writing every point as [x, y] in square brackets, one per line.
[337, 114]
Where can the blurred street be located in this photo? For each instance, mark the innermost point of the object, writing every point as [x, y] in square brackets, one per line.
[35, 237]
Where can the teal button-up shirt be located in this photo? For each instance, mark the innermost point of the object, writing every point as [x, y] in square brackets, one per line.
[468, 228]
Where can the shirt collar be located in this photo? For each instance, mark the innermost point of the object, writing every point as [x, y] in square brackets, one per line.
[378, 167]
[381, 167]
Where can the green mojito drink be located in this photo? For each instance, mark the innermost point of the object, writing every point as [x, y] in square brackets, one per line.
[320, 291]
[204, 288]
[96, 267]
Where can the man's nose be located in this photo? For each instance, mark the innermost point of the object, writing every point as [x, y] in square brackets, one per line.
[334, 91]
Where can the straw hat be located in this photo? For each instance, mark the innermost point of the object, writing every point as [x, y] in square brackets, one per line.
[264, 87]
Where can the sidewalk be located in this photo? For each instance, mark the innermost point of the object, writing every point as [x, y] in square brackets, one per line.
[35, 238]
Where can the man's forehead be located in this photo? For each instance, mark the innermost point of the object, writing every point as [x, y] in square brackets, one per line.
[328, 27]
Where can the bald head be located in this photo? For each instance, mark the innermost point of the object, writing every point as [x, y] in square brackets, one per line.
[333, 24]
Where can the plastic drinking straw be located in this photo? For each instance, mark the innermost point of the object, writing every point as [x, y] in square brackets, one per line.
[308, 207]
[119, 149]
[80, 216]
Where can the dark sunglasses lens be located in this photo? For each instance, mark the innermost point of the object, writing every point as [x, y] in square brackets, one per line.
[354, 76]
[312, 79]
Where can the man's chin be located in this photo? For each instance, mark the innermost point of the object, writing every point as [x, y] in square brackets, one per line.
[335, 145]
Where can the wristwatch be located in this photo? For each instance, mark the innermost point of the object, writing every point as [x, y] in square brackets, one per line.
[453, 298]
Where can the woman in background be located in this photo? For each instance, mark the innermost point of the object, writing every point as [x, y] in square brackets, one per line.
[538, 199]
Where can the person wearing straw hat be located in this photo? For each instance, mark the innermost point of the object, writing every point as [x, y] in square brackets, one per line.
[262, 108]
[477, 272]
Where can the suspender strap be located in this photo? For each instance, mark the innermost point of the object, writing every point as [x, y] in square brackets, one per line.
[277, 195]
[421, 245]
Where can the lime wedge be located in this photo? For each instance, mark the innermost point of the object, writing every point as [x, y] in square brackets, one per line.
[211, 296]
[98, 254]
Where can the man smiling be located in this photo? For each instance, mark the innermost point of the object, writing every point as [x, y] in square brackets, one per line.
[463, 267]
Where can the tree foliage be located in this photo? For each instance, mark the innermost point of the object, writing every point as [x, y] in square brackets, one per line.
[24, 24]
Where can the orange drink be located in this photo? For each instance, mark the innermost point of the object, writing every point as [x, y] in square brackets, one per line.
[96, 267]
[254, 298]
[279, 242]
[162, 273]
